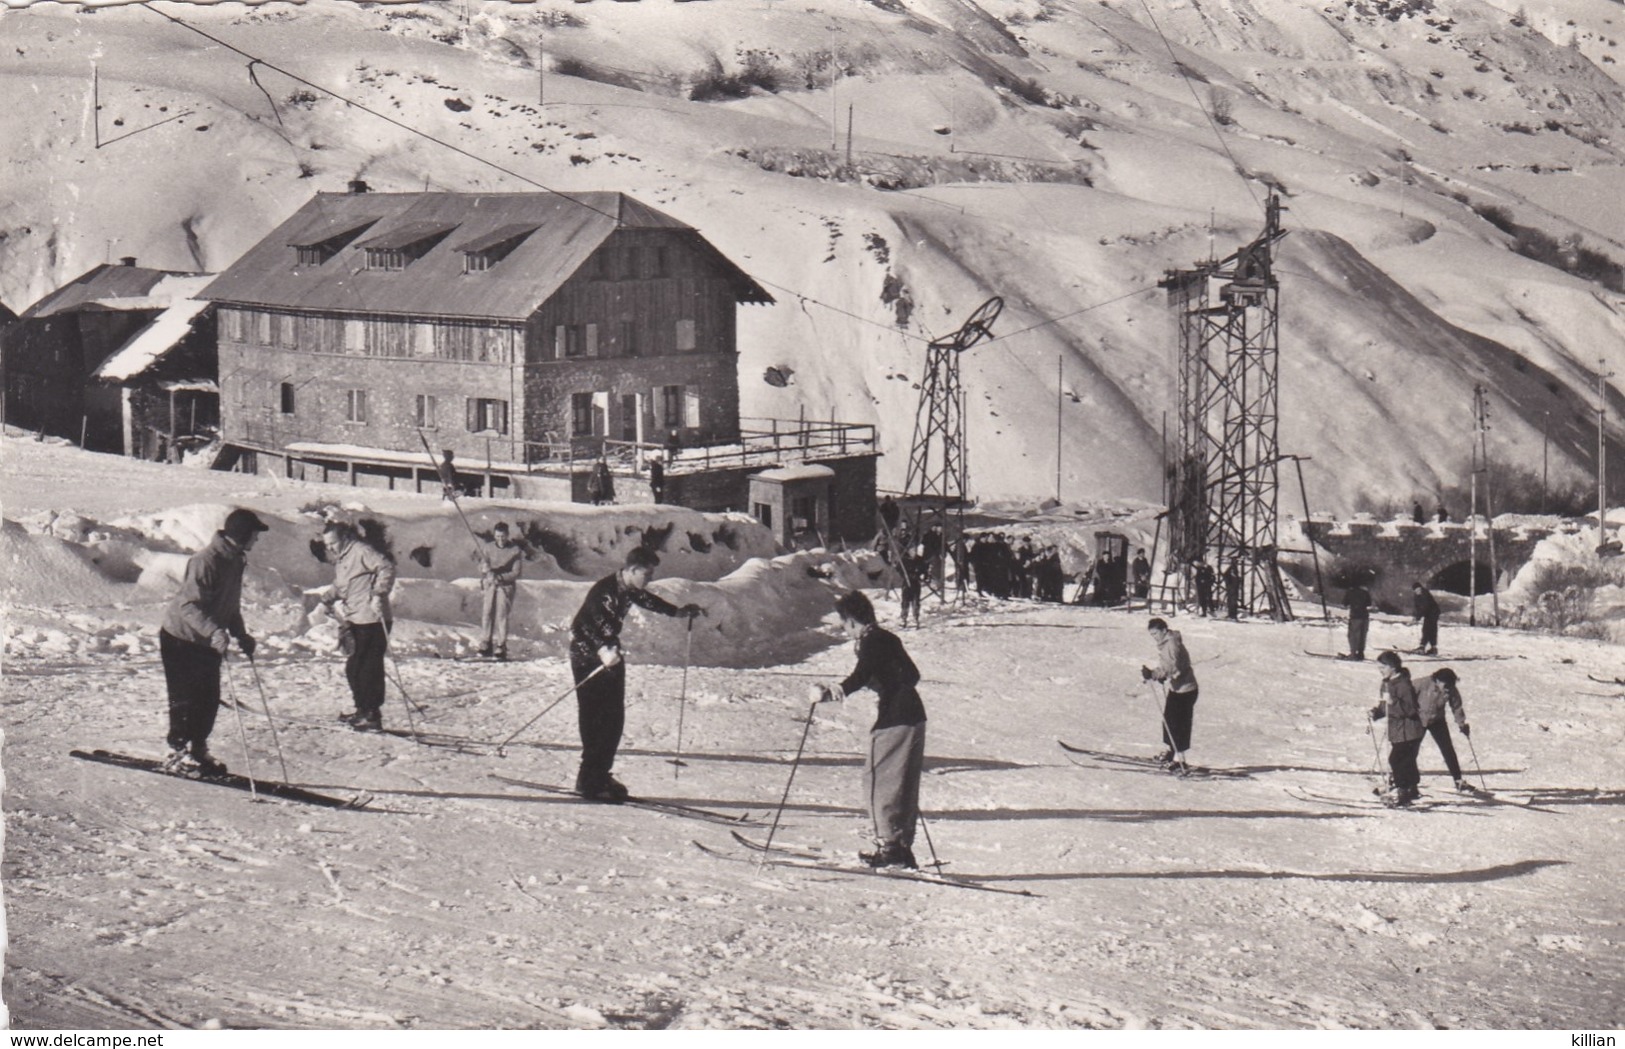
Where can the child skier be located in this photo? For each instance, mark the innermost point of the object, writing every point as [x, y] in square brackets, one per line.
[1405, 731]
[1439, 691]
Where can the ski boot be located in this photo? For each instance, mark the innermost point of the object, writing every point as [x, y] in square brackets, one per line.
[179, 762]
[892, 854]
[367, 721]
[206, 764]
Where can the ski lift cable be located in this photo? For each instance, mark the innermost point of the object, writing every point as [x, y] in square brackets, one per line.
[1184, 75]
[380, 115]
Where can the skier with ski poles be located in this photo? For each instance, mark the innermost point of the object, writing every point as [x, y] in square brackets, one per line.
[891, 772]
[1405, 730]
[595, 643]
[199, 625]
[363, 576]
[1173, 669]
[501, 565]
[1437, 692]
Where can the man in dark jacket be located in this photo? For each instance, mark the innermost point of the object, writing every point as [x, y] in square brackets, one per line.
[1204, 588]
[1358, 600]
[595, 642]
[196, 635]
[1426, 611]
[1142, 575]
[1405, 731]
[891, 775]
[1232, 590]
[1173, 669]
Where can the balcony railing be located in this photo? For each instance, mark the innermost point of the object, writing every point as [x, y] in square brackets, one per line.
[762, 443]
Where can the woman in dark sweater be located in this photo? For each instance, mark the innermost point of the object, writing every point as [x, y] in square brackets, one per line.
[891, 775]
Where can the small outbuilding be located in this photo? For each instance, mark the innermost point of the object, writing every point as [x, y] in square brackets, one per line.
[795, 503]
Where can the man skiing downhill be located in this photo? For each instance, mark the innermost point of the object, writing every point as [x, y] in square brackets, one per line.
[1179, 703]
[595, 641]
[1436, 693]
[891, 772]
[196, 635]
[1405, 731]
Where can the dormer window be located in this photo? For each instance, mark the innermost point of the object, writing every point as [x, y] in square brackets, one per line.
[400, 247]
[320, 243]
[481, 253]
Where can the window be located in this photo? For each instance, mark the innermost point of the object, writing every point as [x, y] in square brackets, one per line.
[287, 398]
[803, 512]
[476, 262]
[671, 406]
[691, 408]
[262, 328]
[487, 413]
[685, 336]
[386, 259]
[313, 255]
[235, 325]
[580, 340]
[580, 414]
[628, 339]
[426, 411]
[764, 514]
[355, 406]
[629, 416]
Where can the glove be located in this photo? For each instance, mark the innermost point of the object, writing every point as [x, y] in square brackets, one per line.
[248, 645]
[833, 690]
[609, 655]
[1146, 673]
[1465, 730]
[1375, 714]
[220, 641]
[691, 611]
[817, 694]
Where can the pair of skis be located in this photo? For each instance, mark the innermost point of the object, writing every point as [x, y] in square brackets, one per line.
[806, 858]
[269, 788]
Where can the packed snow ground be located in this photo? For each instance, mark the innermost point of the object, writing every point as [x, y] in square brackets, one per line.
[459, 900]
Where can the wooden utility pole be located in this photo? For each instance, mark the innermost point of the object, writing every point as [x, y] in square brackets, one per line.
[1060, 382]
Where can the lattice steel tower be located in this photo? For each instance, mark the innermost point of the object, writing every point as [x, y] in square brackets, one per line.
[1224, 481]
[936, 485]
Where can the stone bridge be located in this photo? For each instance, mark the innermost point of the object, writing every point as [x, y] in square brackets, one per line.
[1390, 555]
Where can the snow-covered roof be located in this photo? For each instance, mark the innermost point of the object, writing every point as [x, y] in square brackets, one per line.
[148, 346]
[786, 474]
[109, 287]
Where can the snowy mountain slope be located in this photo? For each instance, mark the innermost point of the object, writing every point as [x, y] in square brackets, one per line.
[1051, 153]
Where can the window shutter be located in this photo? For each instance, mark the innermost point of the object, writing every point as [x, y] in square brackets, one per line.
[501, 413]
[657, 409]
[685, 335]
[592, 340]
[473, 412]
[691, 408]
[559, 337]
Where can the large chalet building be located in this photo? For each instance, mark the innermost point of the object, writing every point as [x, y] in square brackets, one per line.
[529, 334]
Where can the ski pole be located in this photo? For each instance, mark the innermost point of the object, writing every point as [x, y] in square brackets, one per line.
[793, 766]
[682, 700]
[562, 697]
[1474, 751]
[1162, 715]
[242, 732]
[449, 482]
[1376, 751]
[411, 723]
[928, 843]
[269, 720]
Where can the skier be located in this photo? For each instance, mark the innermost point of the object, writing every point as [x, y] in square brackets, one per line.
[914, 567]
[1179, 704]
[196, 635]
[502, 562]
[1405, 731]
[891, 773]
[1439, 691]
[595, 641]
[363, 576]
[1358, 600]
[1204, 588]
[1232, 590]
[1426, 611]
[1142, 575]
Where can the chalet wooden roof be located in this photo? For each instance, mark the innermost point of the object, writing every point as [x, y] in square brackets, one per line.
[100, 288]
[565, 232]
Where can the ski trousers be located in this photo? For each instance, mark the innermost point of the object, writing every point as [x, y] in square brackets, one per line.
[1430, 633]
[494, 608]
[1359, 627]
[601, 715]
[891, 781]
[1402, 763]
[1440, 731]
[1178, 711]
[364, 669]
[192, 677]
